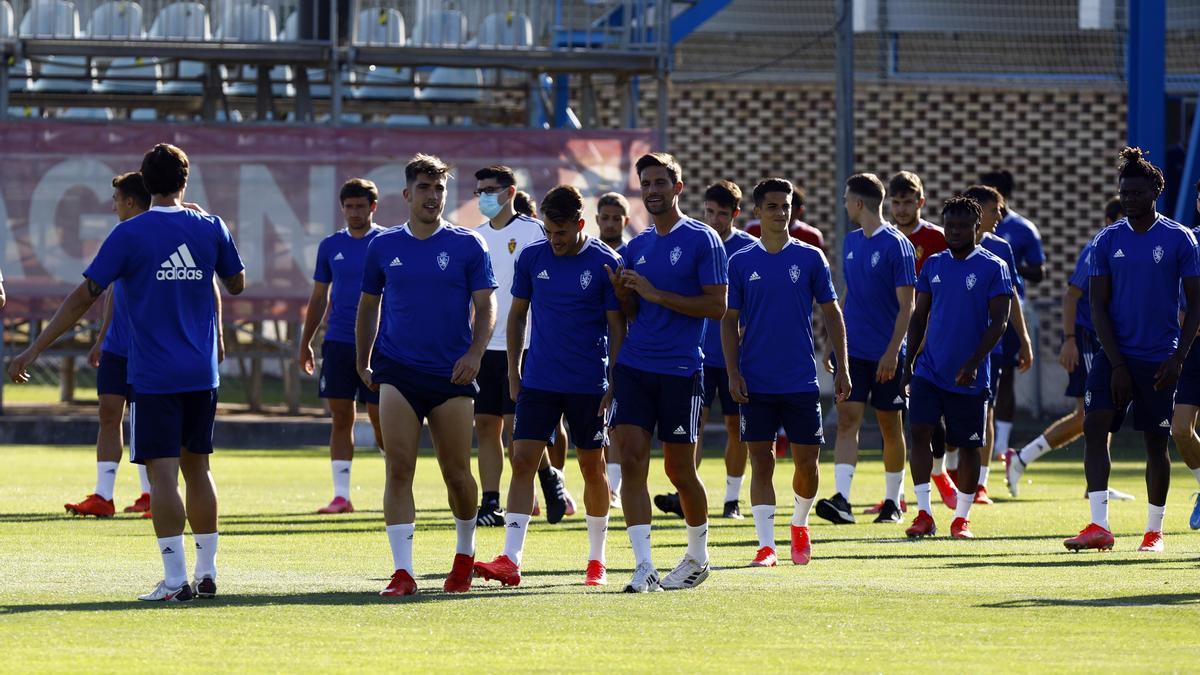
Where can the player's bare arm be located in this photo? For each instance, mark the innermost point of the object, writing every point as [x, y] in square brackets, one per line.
[366, 328]
[318, 305]
[835, 326]
[518, 318]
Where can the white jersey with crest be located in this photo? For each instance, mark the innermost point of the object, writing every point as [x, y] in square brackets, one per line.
[505, 245]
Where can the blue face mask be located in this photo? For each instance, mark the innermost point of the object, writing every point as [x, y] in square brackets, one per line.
[489, 205]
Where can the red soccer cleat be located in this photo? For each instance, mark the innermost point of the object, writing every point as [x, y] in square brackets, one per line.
[140, 505]
[401, 584]
[461, 571]
[960, 528]
[923, 526]
[801, 546]
[765, 558]
[92, 505]
[596, 574]
[570, 504]
[981, 496]
[1152, 542]
[147, 514]
[504, 570]
[338, 505]
[879, 507]
[947, 489]
[1092, 536]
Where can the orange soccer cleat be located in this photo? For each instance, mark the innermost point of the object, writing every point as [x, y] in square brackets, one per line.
[1092, 536]
[140, 505]
[801, 546]
[960, 528]
[596, 574]
[338, 505]
[502, 569]
[947, 489]
[401, 584]
[1152, 542]
[923, 526]
[765, 558]
[461, 571]
[981, 496]
[92, 505]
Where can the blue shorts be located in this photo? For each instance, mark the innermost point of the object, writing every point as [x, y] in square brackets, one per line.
[538, 413]
[423, 391]
[1010, 347]
[1087, 345]
[799, 414]
[1152, 410]
[880, 395]
[111, 376]
[161, 424]
[339, 374]
[965, 414]
[493, 398]
[716, 384]
[994, 373]
[1188, 391]
[647, 400]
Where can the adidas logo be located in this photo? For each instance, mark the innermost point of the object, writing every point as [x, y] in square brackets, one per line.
[1119, 254]
[180, 267]
[1165, 424]
[974, 437]
[641, 260]
[851, 256]
[339, 257]
[395, 263]
[679, 430]
[168, 550]
[936, 279]
[754, 276]
[899, 399]
[346, 470]
[111, 471]
[515, 525]
[543, 275]
[599, 436]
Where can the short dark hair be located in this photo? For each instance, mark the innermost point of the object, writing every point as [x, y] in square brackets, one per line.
[131, 186]
[614, 199]
[771, 185]
[563, 204]
[867, 186]
[1113, 209]
[799, 197]
[165, 169]
[725, 193]
[1002, 180]
[984, 194]
[962, 206]
[1135, 165]
[502, 175]
[358, 187]
[523, 203]
[662, 159]
[904, 182]
[425, 164]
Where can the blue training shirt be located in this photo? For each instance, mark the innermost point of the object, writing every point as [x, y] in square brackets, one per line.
[1145, 319]
[569, 297]
[682, 261]
[426, 286]
[116, 340]
[874, 267]
[959, 316]
[1026, 242]
[1079, 279]
[340, 259]
[1000, 248]
[774, 292]
[713, 356]
[165, 259]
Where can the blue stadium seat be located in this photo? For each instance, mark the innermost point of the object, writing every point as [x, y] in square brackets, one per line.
[446, 28]
[380, 27]
[56, 19]
[130, 75]
[183, 21]
[85, 114]
[505, 29]
[8, 20]
[385, 83]
[318, 78]
[119, 20]
[50, 19]
[457, 76]
[252, 22]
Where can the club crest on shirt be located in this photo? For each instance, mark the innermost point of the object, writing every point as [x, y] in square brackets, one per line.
[585, 279]
[920, 252]
[971, 281]
[443, 259]
[794, 273]
[1158, 253]
[512, 246]
[875, 258]
[675, 254]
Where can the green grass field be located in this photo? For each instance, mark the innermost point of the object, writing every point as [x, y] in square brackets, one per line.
[298, 591]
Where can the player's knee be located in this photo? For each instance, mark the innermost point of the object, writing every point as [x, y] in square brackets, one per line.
[1182, 431]
[591, 465]
[399, 471]
[525, 462]
[849, 418]
[806, 458]
[342, 417]
[110, 415]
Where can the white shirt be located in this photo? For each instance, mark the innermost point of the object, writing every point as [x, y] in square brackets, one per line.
[504, 245]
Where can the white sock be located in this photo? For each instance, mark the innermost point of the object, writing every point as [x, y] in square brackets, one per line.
[515, 527]
[923, 503]
[764, 524]
[697, 546]
[466, 536]
[174, 562]
[144, 478]
[597, 527]
[401, 538]
[614, 477]
[963, 509]
[341, 478]
[206, 555]
[106, 478]
[1003, 431]
[1030, 453]
[1196, 473]
[893, 481]
[951, 460]
[843, 476]
[983, 476]
[1154, 520]
[939, 465]
[639, 539]
[733, 488]
[1099, 502]
[803, 505]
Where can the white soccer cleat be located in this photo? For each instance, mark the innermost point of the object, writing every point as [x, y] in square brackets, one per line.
[164, 593]
[687, 574]
[645, 580]
[1120, 496]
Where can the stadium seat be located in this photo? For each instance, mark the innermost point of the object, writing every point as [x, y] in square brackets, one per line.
[318, 78]
[118, 20]
[85, 114]
[505, 29]
[394, 84]
[380, 27]
[130, 75]
[456, 76]
[143, 115]
[27, 113]
[407, 120]
[447, 28]
[7, 19]
[50, 19]
[251, 22]
[56, 19]
[183, 21]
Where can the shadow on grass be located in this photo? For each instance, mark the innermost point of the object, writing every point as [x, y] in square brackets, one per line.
[1062, 559]
[1151, 600]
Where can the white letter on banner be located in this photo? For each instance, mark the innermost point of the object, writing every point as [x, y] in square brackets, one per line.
[260, 201]
[45, 237]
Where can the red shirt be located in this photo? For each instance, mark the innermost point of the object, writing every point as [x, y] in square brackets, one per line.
[799, 230]
[928, 239]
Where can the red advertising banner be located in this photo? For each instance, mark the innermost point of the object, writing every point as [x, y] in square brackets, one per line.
[275, 186]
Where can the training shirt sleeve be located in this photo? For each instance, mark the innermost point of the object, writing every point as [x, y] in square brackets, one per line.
[1099, 266]
[1189, 263]
[229, 261]
[1007, 257]
[923, 278]
[323, 273]
[713, 264]
[522, 286]
[610, 295]
[1001, 283]
[735, 298]
[822, 279]
[109, 263]
[373, 276]
[479, 267]
[1032, 252]
[1079, 278]
[904, 264]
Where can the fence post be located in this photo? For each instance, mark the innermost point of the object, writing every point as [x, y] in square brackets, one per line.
[291, 369]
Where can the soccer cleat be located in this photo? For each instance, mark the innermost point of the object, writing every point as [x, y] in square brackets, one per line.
[461, 571]
[338, 505]
[836, 510]
[570, 501]
[204, 587]
[140, 505]
[555, 492]
[923, 526]
[92, 505]
[645, 580]
[801, 546]
[1194, 521]
[981, 496]
[147, 514]
[1014, 468]
[947, 489]
[669, 503]
[537, 508]
[732, 510]
[889, 513]
[596, 575]
[614, 500]
[1152, 542]
[765, 558]
[490, 515]
[960, 528]
[502, 569]
[872, 510]
[1120, 496]
[1092, 536]
[689, 573]
[401, 584]
[164, 593]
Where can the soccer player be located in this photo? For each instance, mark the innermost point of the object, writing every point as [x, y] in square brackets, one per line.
[1187, 408]
[506, 233]
[1078, 349]
[436, 286]
[1138, 263]
[612, 219]
[880, 270]
[722, 204]
[674, 277]
[166, 259]
[799, 229]
[963, 299]
[566, 372]
[773, 284]
[337, 283]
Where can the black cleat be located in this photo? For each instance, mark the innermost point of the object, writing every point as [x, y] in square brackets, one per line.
[204, 588]
[836, 510]
[889, 513]
[490, 515]
[554, 489]
[669, 503]
[732, 510]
